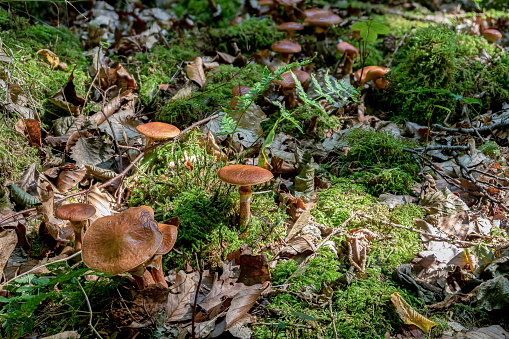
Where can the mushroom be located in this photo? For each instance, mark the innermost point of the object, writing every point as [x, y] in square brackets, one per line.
[288, 6]
[314, 11]
[351, 53]
[272, 7]
[155, 264]
[238, 91]
[286, 48]
[491, 35]
[321, 21]
[288, 85]
[244, 176]
[154, 131]
[123, 242]
[290, 28]
[237, 20]
[375, 73]
[77, 214]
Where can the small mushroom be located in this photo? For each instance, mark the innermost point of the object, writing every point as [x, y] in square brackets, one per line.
[321, 21]
[77, 214]
[271, 4]
[123, 242]
[288, 85]
[155, 264]
[290, 28]
[286, 48]
[351, 53]
[491, 35]
[154, 131]
[375, 73]
[288, 7]
[244, 176]
[238, 91]
[314, 11]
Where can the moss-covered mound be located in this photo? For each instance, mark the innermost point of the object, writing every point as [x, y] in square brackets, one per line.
[439, 71]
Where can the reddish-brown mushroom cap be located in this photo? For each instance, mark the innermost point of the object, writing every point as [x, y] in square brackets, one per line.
[169, 238]
[158, 130]
[266, 2]
[244, 175]
[364, 71]
[491, 35]
[75, 212]
[376, 73]
[314, 11]
[120, 243]
[237, 20]
[291, 26]
[287, 81]
[348, 49]
[286, 46]
[302, 76]
[239, 91]
[323, 19]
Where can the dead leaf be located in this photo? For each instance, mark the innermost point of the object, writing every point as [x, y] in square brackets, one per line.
[102, 201]
[66, 98]
[8, 239]
[73, 139]
[67, 179]
[195, 72]
[241, 304]
[299, 248]
[91, 151]
[183, 94]
[409, 315]
[358, 247]
[181, 297]
[122, 122]
[31, 129]
[117, 75]
[54, 226]
[64, 335]
[491, 332]
[50, 57]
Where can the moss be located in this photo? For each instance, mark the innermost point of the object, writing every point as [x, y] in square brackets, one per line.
[399, 25]
[491, 149]
[15, 153]
[185, 111]
[200, 10]
[439, 68]
[250, 35]
[379, 162]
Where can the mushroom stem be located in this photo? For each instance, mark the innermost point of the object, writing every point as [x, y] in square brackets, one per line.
[347, 68]
[78, 226]
[150, 141]
[142, 277]
[290, 97]
[286, 57]
[245, 206]
[321, 32]
[290, 12]
[157, 271]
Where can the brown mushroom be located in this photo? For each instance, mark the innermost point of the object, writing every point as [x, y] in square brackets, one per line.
[321, 21]
[154, 131]
[361, 73]
[271, 4]
[377, 75]
[244, 176]
[286, 48]
[123, 243]
[238, 91]
[491, 35]
[288, 7]
[155, 264]
[288, 85]
[290, 28]
[77, 214]
[313, 11]
[351, 53]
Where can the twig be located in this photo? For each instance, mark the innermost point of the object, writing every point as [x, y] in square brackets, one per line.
[483, 129]
[277, 324]
[90, 310]
[121, 175]
[401, 42]
[38, 267]
[193, 334]
[333, 320]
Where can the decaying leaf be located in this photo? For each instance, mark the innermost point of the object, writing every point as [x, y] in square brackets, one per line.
[69, 178]
[67, 98]
[122, 122]
[8, 238]
[50, 57]
[74, 137]
[241, 304]
[181, 297]
[55, 227]
[358, 247]
[183, 94]
[21, 197]
[409, 315]
[102, 201]
[31, 129]
[91, 151]
[195, 72]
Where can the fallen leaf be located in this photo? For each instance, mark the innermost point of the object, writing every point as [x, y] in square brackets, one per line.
[66, 98]
[50, 57]
[74, 137]
[91, 151]
[195, 72]
[122, 122]
[102, 201]
[8, 239]
[31, 129]
[241, 304]
[358, 247]
[183, 94]
[64, 335]
[409, 315]
[67, 179]
[181, 297]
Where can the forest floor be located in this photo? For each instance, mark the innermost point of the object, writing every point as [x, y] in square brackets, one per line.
[387, 212]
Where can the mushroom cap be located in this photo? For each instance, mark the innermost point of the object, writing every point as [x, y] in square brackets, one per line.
[121, 242]
[376, 73]
[75, 212]
[288, 3]
[491, 35]
[169, 237]
[302, 76]
[291, 26]
[313, 11]
[287, 81]
[266, 2]
[244, 175]
[239, 91]
[323, 19]
[364, 72]
[158, 130]
[346, 48]
[286, 46]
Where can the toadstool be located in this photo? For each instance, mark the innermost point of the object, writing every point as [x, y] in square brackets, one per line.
[155, 264]
[351, 53]
[491, 35]
[290, 28]
[244, 176]
[286, 48]
[77, 214]
[321, 21]
[154, 131]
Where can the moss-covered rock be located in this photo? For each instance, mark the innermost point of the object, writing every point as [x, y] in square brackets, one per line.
[439, 70]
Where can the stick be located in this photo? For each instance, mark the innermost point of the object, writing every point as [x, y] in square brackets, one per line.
[90, 310]
[333, 320]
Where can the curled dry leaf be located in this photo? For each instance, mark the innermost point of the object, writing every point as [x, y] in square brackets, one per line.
[66, 98]
[183, 94]
[67, 179]
[181, 297]
[195, 72]
[73, 139]
[50, 57]
[409, 315]
[31, 129]
[55, 227]
[102, 201]
[358, 247]
[8, 238]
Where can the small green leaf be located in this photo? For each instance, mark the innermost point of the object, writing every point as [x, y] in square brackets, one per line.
[304, 316]
[369, 29]
[21, 197]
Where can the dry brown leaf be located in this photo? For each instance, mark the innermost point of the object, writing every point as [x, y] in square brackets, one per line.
[50, 57]
[242, 302]
[67, 179]
[8, 239]
[358, 247]
[54, 226]
[299, 248]
[183, 94]
[195, 72]
[102, 201]
[65, 335]
[409, 315]
[73, 139]
[31, 129]
[211, 146]
[181, 297]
